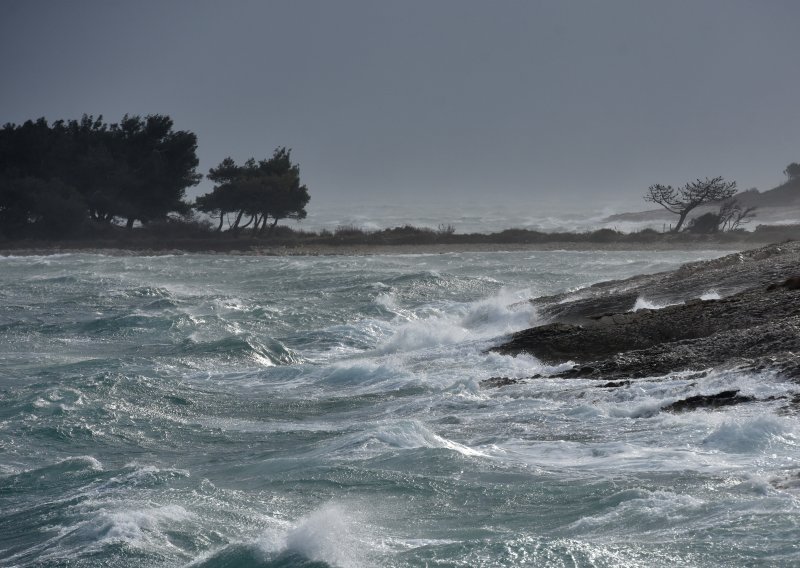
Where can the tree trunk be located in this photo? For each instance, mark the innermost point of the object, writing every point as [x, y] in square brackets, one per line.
[238, 220]
[221, 219]
[681, 219]
[272, 226]
[129, 224]
[248, 223]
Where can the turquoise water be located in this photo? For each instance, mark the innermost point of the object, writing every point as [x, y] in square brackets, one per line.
[226, 411]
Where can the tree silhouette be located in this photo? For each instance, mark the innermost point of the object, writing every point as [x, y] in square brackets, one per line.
[792, 171]
[161, 164]
[683, 200]
[138, 169]
[264, 190]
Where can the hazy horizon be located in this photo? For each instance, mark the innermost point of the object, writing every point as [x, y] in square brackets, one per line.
[552, 107]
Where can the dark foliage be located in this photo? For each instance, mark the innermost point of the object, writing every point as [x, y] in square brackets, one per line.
[55, 178]
[259, 191]
[706, 223]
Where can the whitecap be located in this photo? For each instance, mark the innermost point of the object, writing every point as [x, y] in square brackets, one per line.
[327, 535]
[135, 527]
[750, 435]
[644, 304]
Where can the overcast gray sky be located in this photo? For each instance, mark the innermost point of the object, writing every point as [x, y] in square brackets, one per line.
[565, 104]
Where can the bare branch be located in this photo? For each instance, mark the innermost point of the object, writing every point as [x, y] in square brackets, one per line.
[693, 194]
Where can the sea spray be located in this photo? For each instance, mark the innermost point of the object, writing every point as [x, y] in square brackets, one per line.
[328, 535]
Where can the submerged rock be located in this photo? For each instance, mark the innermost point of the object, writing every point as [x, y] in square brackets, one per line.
[724, 398]
[495, 382]
[614, 384]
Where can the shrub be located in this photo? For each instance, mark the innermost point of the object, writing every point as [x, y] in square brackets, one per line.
[604, 236]
[349, 231]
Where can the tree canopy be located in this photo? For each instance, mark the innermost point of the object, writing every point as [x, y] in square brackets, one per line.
[792, 171]
[262, 190]
[682, 201]
[55, 177]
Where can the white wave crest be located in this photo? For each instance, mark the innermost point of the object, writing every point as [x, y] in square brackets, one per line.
[710, 295]
[392, 435]
[409, 434]
[483, 319]
[644, 304]
[327, 535]
[133, 526]
[751, 435]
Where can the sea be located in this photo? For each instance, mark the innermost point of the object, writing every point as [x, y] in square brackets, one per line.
[201, 410]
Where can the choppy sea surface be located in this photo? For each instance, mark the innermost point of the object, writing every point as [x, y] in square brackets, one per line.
[232, 411]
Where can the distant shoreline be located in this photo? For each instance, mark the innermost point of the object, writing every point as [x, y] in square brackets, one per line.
[377, 249]
[179, 238]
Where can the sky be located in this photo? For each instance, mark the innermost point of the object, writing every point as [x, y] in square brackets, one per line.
[550, 105]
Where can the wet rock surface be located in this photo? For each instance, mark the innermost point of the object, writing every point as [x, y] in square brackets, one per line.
[755, 325]
[724, 398]
[724, 277]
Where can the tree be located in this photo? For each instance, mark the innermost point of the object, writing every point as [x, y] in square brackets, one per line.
[792, 171]
[161, 164]
[732, 215]
[683, 200]
[223, 199]
[268, 189]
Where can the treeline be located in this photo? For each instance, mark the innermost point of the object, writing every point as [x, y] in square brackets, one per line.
[83, 177]
[56, 179]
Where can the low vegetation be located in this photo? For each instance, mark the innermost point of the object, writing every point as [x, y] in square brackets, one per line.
[198, 235]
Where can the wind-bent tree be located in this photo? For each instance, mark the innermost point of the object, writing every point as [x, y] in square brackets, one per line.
[683, 200]
[731, 216]
[224, 198]
[264, 190]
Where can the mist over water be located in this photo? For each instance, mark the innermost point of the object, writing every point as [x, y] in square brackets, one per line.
[211, 411]
[465, 218]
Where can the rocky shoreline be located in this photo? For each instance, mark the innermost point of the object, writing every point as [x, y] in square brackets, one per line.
[741, 312]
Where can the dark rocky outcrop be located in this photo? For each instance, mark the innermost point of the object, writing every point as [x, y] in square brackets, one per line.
[724, 276]
[724, 398]
[755, 326]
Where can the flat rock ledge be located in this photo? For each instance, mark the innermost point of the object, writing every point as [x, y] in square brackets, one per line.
[753, 325]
